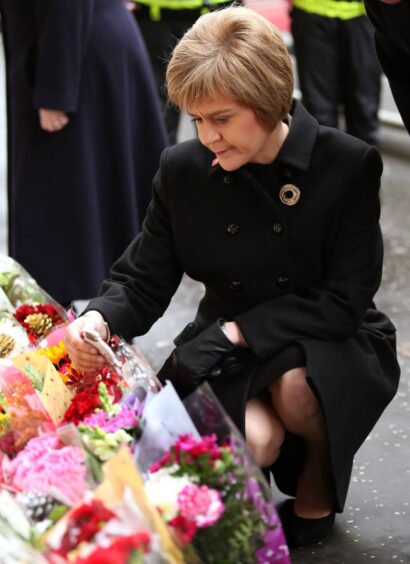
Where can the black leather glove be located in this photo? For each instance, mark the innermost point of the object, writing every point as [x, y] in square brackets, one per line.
[195, 359]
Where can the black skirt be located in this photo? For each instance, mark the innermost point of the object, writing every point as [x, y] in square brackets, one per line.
[251, 380]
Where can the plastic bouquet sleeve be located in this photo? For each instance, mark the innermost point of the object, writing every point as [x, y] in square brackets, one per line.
[25, 410]
[121, 512]
[31, 306]
[13, 337]
[120, 473]
[131, 364]
[15, 533]
[21, 288]
[206, 484]
[53, 393]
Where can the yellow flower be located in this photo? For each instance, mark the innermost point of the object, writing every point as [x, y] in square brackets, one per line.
[55, 353]
[4, 422]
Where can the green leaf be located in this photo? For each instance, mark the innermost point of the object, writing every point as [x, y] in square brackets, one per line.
[57, 512]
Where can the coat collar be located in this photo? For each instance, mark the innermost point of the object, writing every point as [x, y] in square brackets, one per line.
[297, 149]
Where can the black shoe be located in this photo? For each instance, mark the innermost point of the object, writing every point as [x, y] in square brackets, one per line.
[301, 532]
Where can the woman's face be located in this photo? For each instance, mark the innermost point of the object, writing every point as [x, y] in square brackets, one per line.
[234, 133]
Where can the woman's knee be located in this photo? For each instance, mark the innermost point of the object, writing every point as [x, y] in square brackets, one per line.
[293, 397]
[264, 431]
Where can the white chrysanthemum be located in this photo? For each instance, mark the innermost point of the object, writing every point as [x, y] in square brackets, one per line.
[162, 491]
[19, 336]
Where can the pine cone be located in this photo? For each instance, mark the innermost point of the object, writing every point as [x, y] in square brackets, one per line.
[6, 344]
[36, 506]
[40, 323]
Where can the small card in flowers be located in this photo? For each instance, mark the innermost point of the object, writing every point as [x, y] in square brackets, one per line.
[165, 419]
[54, 394]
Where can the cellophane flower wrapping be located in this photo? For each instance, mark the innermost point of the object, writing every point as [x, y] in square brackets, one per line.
[205, 483]
[113, 524]
[23, 303]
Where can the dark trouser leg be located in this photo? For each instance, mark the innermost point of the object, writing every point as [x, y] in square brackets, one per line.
[361, 85]
[316, 50]
[160, 38]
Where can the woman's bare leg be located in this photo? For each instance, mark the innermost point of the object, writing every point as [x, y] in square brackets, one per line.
[301, 414]
[264, 431]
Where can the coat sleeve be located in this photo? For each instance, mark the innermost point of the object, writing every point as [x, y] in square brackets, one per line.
[353, 269]
[63, 36]
[147, 275]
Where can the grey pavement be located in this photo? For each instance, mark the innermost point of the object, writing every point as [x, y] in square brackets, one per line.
[375, 526]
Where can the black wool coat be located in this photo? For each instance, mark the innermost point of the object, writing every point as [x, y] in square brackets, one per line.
[300, 275]
[392, 22]
[77, 197]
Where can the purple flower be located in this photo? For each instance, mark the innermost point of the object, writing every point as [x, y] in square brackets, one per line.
[274, 549]
[125, 419]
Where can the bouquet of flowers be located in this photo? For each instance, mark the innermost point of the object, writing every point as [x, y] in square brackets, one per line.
[17, 286]
[13, 337]
[113, 524]
[207, 488]
[25, 305]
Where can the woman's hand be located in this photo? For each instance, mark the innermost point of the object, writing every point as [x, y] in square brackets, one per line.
[52, 120]
[84, 356]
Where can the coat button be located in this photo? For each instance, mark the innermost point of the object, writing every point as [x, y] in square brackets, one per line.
[235, 285]
[232, 229]
[283, 281]
[277, 228]
[287, 172]
[228, 178]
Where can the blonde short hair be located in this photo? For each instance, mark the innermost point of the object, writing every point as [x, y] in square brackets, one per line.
[235, 53]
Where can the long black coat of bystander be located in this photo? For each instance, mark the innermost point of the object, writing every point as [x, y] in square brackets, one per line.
[77, 197]
[392, 22]
[302, 274]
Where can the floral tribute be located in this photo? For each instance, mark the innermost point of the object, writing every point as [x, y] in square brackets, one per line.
[38, 319]
[73, 487]
[213, 504]
[24, 305]
[85, 528]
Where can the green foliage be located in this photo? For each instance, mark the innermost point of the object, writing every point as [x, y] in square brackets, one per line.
[36, 376]
[57, 512]
[106, 401]
[137, 557]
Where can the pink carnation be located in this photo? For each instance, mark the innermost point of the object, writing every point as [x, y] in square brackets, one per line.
[45, 463]
[207, 445]
[125, 419]
[200, 504]
[187, 444]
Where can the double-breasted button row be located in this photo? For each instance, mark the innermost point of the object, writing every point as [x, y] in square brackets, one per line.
[277, 228]
[235, 285]
[287, 172]
[282, 281]
[228, 178]
[233, 229]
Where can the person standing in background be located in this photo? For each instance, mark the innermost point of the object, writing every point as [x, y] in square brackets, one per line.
[162, 24]
[85, 136]
[391, 19]
[337, 64]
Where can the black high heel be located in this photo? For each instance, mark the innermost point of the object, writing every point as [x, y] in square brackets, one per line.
[300, 531]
